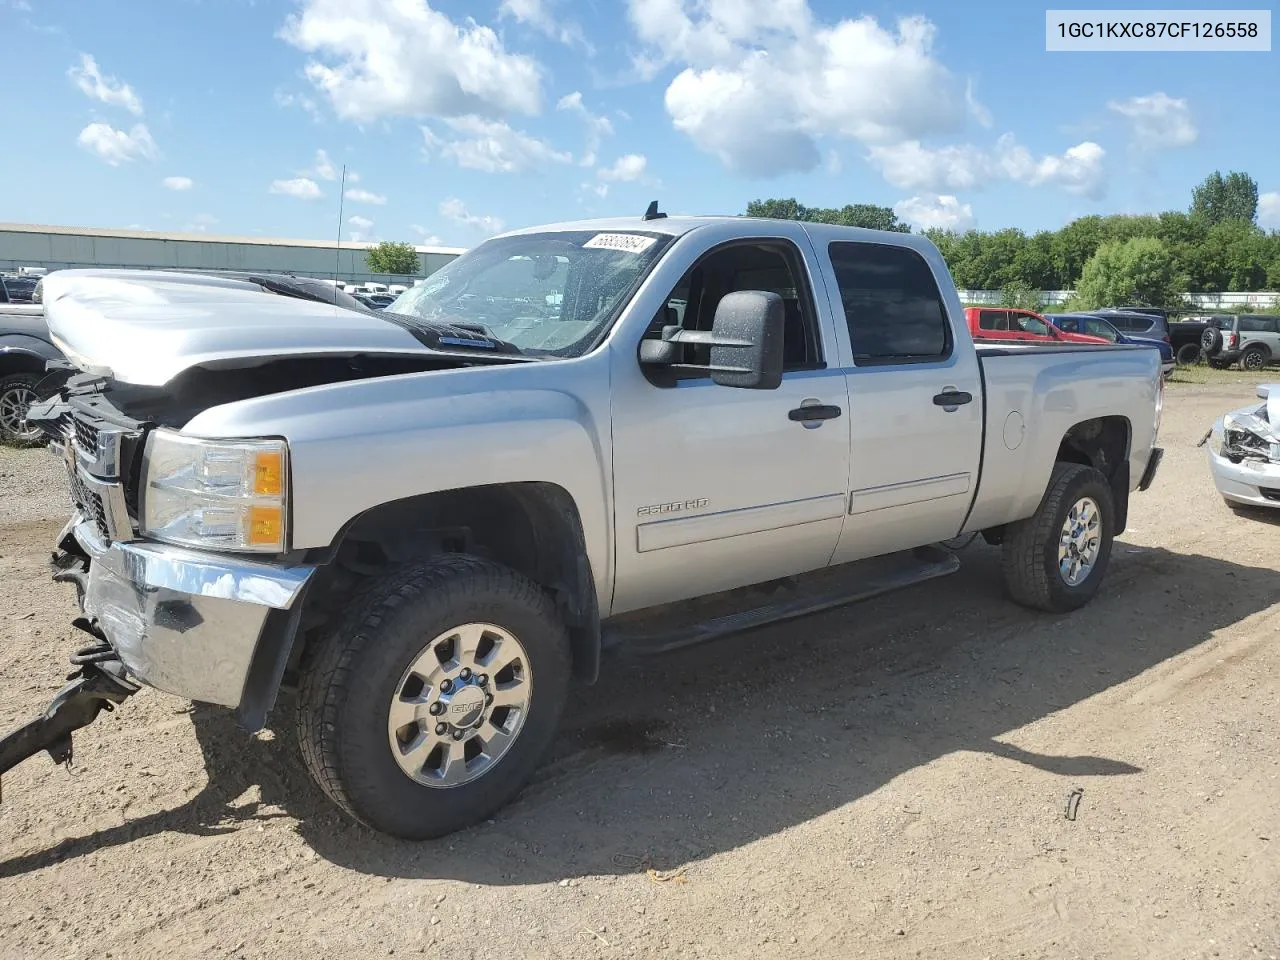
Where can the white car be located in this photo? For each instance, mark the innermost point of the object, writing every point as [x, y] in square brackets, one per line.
[1244, 451]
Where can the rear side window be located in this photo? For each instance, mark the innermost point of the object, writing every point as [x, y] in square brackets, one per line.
[1251, 324]
[993, 320]
[891, 303]
[1029, 323]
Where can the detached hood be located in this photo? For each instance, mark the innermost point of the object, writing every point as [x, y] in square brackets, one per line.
[145, 327]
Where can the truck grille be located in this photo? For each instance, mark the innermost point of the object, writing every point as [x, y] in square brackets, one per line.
[89, 503]
[86, 436]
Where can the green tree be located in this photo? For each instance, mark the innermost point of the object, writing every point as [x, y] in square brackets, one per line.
[867, 215]
[1140, 270]
[1219, 198]
[1273, 275]
[399, 259]
[1019, 295]
[1074, 245]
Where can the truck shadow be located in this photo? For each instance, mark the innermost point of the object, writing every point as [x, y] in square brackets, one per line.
[671, 760]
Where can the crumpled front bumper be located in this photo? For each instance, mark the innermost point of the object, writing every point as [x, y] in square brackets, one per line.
[182, 621]
[1253, 482]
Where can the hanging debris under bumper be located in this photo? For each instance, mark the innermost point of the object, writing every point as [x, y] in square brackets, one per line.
[95, 687]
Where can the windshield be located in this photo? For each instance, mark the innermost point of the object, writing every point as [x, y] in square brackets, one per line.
[551, 293]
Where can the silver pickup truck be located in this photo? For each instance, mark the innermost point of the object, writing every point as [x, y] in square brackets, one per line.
[574, 438]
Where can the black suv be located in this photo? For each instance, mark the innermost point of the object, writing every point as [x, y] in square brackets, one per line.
[1253, 339]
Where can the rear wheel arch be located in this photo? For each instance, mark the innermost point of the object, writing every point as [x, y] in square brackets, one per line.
[1103, 443]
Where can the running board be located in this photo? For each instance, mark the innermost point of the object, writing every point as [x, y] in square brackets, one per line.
[641, 636]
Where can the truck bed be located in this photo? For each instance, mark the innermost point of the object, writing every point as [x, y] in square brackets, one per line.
[1035, 394]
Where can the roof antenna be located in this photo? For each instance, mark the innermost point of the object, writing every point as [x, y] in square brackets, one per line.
[337, 253]
[652, 213]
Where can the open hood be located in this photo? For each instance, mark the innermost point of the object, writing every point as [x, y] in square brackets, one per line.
[145, 327]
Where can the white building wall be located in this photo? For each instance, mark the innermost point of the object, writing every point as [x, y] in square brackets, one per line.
[56, 248]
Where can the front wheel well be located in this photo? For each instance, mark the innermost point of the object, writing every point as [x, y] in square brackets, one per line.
[533, 528]
[16, 362]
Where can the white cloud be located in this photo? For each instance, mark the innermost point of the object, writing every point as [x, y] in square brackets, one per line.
[425, 236]
[1158, 120]
[381, 58]
[912, 166]
[536, 14]
[833, 164]
[491, 146]
[935, 210]
[598, 127]
[200, 223]
[324, 168]
[626, 168]
[361, 228]
[178, 183]
[302, 188]
[115, 146]
[285, 99]
[109, 90]
[358, 195]
[763, 80]
[1269, 210]
[455, 210]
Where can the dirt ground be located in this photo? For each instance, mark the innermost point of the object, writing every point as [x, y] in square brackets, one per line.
[887, 780]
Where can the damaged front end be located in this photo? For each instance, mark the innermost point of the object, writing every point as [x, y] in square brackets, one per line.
[1244, 452]
[204, 625]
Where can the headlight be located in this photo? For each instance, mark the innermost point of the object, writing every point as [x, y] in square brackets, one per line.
[216, 494]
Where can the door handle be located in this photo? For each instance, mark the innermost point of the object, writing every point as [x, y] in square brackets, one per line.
[951, 397]
[817, 411]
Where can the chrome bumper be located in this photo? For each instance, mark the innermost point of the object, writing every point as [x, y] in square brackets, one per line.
[184, 622]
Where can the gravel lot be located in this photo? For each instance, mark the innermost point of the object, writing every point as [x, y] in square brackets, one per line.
[887, 780]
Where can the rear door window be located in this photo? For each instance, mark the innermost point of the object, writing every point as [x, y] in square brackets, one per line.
[891, 303]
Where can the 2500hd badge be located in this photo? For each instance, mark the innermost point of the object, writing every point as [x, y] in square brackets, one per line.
[672, 507]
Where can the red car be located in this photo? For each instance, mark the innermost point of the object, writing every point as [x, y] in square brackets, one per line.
[1004, 323]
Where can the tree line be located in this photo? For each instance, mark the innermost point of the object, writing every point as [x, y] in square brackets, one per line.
[1213, 246]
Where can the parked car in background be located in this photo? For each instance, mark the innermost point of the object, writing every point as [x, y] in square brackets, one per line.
[1251, 339]
[1137, 322]
[1185, 337]
[1244, 452]
[1094, 325]
[25, 348]
[1006, 323]
[17, 289]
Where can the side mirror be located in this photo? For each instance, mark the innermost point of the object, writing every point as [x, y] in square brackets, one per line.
[746, 349]
[746, 341]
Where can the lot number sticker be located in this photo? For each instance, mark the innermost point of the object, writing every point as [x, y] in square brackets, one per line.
[626, 242]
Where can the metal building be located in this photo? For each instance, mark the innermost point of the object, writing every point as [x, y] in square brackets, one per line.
[55, 248]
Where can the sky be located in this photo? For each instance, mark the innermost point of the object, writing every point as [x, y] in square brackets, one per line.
[456, 120]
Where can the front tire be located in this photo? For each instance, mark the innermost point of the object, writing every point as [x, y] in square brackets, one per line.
[1055, 560]
[419, 714]
[17, 393]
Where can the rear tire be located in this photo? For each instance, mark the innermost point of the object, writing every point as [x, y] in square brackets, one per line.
[1255, 358]
[1188, 354]
[355, 683]
[1035, 571]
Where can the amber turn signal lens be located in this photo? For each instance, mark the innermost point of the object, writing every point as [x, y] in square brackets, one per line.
[265, 526]
[268, 470]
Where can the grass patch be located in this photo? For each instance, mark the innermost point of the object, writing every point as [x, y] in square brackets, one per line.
[1202, 373]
